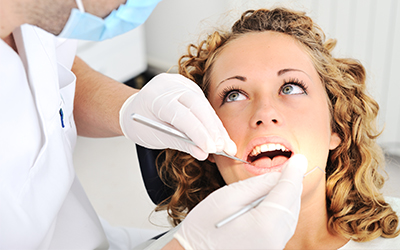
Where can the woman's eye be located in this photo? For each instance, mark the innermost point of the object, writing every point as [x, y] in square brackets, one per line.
[292, 89]
[235, 96]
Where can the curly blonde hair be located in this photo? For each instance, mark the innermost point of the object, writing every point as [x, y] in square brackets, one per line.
[356, 208]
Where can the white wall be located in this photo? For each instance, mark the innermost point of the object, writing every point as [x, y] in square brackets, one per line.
[366, 29]
[173, 24]
[121, 58]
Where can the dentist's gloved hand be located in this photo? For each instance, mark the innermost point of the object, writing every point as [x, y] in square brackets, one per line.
[175, 100]
[268, 226]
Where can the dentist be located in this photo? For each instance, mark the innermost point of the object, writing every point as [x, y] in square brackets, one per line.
[48, 96]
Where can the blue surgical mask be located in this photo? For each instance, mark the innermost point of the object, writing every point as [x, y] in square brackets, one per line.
[85, 26]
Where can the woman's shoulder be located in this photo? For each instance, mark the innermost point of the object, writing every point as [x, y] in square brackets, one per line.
[380, 242]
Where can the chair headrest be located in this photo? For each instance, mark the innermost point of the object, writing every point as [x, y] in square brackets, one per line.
[156, 189]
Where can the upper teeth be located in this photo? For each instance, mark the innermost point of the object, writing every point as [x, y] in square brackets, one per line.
[267, 147]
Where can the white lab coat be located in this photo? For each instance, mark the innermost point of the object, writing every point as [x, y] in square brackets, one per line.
[42, 204]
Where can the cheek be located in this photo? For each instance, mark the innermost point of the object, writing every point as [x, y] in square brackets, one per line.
[313, 133]
[102, 8]
[225, 168]
[234, 123]
[312, 116]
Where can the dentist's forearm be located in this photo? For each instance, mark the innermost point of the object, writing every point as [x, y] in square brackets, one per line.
[98, 100]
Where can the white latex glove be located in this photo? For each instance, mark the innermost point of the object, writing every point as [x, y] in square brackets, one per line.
[268, 226]
[175, 100]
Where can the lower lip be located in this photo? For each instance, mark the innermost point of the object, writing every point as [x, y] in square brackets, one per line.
[266, 165]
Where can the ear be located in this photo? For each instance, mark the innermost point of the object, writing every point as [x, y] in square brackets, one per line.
[335, 141]
[211, 158]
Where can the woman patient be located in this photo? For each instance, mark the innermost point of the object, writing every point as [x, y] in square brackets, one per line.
[278, 91]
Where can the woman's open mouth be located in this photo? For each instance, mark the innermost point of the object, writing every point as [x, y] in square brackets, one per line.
[268, 150]
[267, 157]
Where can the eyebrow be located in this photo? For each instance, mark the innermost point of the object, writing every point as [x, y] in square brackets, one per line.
[240, 78]
[244, 79]
[283, 71]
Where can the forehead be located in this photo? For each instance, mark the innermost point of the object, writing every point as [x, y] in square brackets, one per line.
[261, 51]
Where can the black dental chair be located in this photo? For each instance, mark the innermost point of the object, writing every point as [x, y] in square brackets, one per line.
[156, 189]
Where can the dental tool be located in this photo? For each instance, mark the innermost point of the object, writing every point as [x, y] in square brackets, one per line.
[253, 204]
[176, 133]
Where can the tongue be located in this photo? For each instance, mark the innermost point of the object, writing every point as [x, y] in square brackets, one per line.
[266, 162]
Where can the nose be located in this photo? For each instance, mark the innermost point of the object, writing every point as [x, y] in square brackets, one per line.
[266, 113]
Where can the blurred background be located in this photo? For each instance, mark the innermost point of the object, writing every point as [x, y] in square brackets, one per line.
[368, 30]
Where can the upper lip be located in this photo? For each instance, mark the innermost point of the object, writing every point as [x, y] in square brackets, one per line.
[266, 140]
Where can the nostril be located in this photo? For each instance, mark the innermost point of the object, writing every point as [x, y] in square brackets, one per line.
[275, 121]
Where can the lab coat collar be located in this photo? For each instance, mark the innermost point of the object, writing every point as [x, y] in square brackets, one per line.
[31, 42]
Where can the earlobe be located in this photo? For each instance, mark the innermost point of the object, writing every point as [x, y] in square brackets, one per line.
[335, 141]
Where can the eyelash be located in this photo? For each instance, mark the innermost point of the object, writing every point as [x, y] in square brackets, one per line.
[224, 94]
[294, 81]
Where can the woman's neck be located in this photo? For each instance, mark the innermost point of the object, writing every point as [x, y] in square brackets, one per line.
[312, 228]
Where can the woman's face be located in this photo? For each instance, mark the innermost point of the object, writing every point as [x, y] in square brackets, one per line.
[268, 95]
